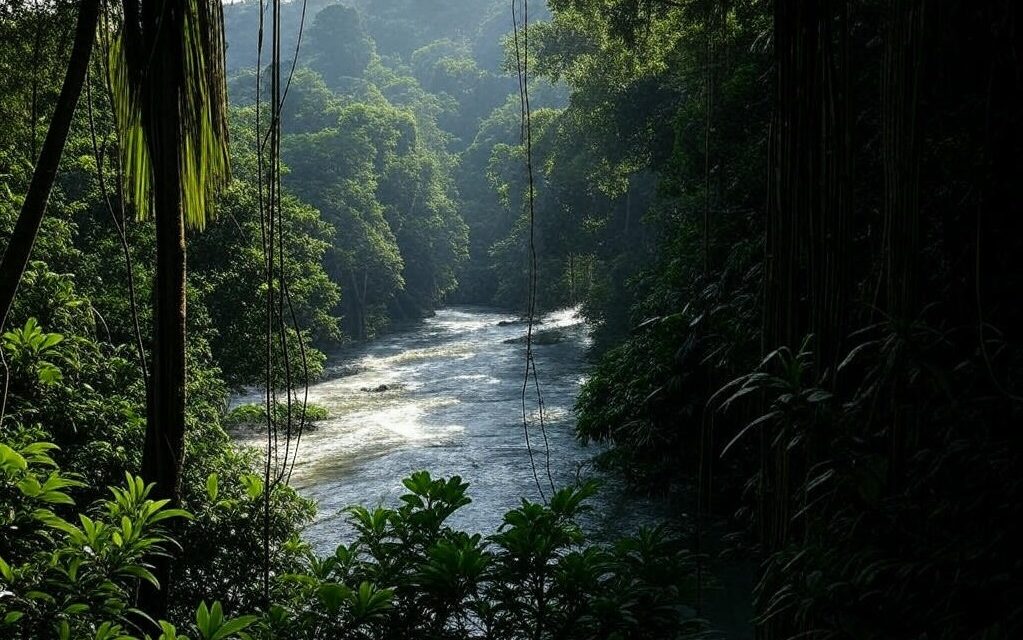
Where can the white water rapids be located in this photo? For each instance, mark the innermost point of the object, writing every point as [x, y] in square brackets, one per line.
[453, 407]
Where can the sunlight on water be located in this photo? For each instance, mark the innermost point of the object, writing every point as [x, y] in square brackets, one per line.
[564, 318]
[413, 355]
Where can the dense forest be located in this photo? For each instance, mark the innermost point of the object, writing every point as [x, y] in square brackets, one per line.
[790, 227]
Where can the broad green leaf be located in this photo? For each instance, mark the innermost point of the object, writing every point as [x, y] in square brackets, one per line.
[211, 487]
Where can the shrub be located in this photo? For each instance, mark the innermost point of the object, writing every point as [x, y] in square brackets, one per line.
[405, 575]
[253, 416]
[66, 578]
[408, 575]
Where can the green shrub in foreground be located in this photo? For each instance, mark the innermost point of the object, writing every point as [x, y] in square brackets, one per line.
[405, 575]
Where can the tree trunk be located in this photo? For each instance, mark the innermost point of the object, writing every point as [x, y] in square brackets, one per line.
[901, 156]
[165, 427]
[808, 210]
[806, 283]
[32, 210]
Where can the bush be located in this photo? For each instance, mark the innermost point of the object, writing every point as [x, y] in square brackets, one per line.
[406, 575]
[62, 579]
[647, 396]
[86, 397]
[253, 416]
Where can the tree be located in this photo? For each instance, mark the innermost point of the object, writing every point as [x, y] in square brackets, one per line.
[170, 102]
[19, 249]
[342, 47]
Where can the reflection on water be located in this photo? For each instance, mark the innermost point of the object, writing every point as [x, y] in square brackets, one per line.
[452, 405]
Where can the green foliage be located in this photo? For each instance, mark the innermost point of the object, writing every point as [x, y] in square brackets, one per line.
[203, 157]
[850, 503]
[398, 238]
[251, 415]
[647, 396]
[371, 144]
[232, 285]
[212, 625]
[342, 47]
[93, 412]
[880, 489]
[30, 347]
[535, 577]
[60, 578]
[370, 141]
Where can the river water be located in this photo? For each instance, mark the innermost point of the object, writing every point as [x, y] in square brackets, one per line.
[453, 406]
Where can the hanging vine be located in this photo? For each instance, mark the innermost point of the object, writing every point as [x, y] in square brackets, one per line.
[526, 132]
[285, 418]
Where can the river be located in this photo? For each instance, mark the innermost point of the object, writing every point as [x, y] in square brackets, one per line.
[453, 406]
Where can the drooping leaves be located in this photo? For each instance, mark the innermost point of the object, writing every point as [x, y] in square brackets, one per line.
[202, 111]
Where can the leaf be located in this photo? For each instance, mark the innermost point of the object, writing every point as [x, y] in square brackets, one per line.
[171, 513]
[50, 340]
[203, 139]
[30, 487]
[253, 485]
[211, 487]
[332, 595]
[853, 353]
[5, 571]
[142, 573]
[48, 373]
[56, 497]
[37, 447]
[818, 395]
[75, 609]
[169, 632]
[819, 480]
[233, 626]
[647, 322]
[11, 458]
[746, 429]
[202, 619]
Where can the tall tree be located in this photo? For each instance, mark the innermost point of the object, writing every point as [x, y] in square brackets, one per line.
[807, 283]
[808, 212]
[19, 249]
[170, 104]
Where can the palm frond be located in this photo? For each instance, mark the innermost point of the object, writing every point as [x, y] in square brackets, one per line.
[138, 170]
[202, 112]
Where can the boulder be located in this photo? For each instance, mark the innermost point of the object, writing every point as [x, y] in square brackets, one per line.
[546, 336]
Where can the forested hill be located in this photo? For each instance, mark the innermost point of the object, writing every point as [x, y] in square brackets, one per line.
[398, 28]
[394, 115]
[453, 51]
